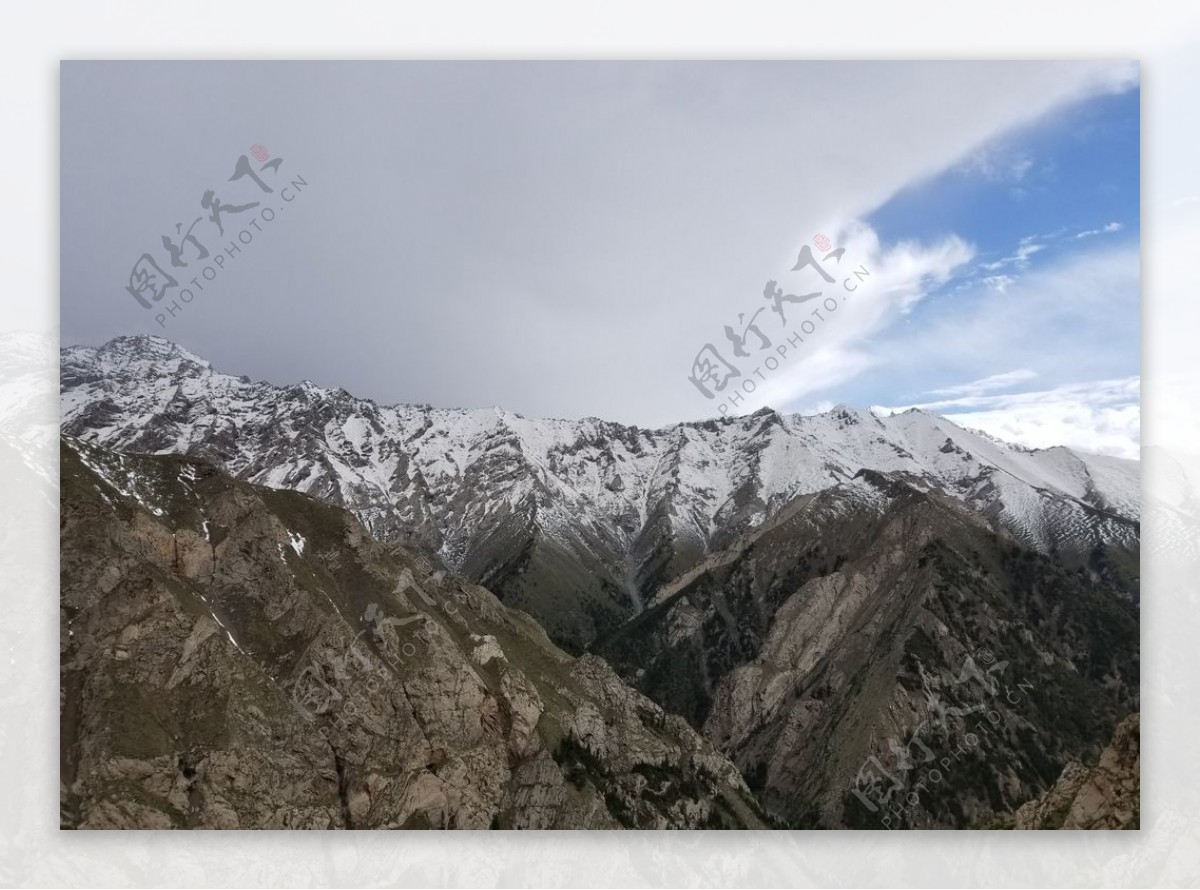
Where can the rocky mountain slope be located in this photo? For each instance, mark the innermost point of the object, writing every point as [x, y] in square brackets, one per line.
[577, 522]
[879, 655]
[1104, 796]
[234, 656]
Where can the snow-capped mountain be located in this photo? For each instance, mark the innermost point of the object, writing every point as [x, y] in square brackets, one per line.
[577, 521]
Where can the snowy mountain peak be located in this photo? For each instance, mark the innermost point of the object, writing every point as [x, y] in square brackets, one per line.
[142, 351]
[623, 507]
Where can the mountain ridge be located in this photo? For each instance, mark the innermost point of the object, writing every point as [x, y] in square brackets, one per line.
[812, 595]
[592, 514]
[170, 348]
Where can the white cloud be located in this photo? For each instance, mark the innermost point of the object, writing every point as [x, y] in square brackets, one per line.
[1103, 230]
[985, 384]
[1020, 259]
[997, 164]
[901, 275]
[1065, 319]
[1072, 313]
[1073, 319]
[999, 283]
[1102, 416]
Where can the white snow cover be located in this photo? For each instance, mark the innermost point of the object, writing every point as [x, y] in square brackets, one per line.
[454, 468]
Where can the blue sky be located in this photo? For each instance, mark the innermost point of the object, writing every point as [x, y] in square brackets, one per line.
[1069, 169]
[1032, 326]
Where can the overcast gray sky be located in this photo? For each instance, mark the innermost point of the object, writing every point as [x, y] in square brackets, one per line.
[555, 238]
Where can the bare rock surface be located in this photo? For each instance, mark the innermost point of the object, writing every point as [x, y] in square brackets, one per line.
[240, 657]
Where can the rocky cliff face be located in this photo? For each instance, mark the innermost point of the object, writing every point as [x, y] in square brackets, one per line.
[877, 655]
[577, 522]
[1104, 796]
[240, 657]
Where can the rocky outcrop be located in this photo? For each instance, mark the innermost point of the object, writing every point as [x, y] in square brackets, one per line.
[1104, 796]
[239, 657]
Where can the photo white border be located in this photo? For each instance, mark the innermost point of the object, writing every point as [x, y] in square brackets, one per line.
[1166, 852]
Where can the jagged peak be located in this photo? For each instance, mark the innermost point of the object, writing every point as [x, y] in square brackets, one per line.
[849, 414]
[148, 347]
